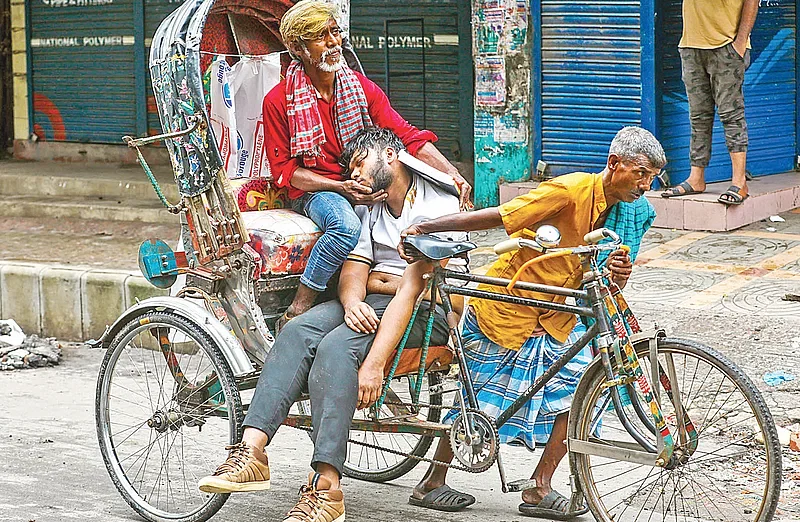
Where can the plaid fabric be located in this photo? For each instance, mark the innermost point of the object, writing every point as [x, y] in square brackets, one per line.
[305, 124]
[630, 221]
[500, 376]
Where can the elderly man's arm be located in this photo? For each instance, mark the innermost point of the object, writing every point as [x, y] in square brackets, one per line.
[431, 155]
[358, 315]
[461, 222]
[746, 24]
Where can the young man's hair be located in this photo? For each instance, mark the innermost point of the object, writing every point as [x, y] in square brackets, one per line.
[367, 139]
[631, 143]
[306, 20]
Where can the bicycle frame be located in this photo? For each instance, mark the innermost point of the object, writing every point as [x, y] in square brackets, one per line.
[603, 310]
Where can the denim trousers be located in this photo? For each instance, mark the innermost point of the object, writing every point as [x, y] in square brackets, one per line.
[317, 352]
[340, 226]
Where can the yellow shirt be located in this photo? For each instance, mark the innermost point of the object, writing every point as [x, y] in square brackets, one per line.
[572, 203]
[710, 24]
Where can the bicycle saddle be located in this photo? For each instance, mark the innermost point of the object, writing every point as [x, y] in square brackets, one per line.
[436, 248]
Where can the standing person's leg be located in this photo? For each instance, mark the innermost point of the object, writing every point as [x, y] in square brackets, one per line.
[340, 226]
[701, 118]
[727, 69]
[282, 380]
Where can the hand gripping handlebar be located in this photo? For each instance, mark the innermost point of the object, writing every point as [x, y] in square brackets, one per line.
[592, 238]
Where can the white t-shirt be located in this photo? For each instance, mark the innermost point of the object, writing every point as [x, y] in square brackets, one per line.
[380, 231]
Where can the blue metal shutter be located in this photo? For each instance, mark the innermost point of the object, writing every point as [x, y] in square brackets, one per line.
[431, 100]
[82, 69]
[590, 83]
[769, 93]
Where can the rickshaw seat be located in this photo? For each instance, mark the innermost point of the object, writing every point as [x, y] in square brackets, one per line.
[282, 238]
[439, 359]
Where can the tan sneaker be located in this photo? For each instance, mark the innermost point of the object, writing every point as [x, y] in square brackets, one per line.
[318, 503]
[246, 469]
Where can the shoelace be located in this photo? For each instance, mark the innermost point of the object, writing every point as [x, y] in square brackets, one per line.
[308, 503]
[238, 455]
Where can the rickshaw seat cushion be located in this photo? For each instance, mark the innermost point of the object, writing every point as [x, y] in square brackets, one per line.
[439, 359]
[282, 238]
[254, 194]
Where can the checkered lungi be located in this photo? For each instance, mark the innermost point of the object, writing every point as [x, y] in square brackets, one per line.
[500, 376]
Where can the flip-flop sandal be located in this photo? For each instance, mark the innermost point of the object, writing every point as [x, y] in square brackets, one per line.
[553, 506]
[732, 196]
[673, 191]
[443, 498]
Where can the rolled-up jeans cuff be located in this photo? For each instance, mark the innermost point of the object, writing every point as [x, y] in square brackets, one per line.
[312, 285]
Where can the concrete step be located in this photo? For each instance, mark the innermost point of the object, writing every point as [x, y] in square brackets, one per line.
[24, 178]
[769, 196]
[83, 207]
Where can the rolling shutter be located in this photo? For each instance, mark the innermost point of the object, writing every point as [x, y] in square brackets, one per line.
[82, 69]
[590, 80]
[416, 36]
[769, 93]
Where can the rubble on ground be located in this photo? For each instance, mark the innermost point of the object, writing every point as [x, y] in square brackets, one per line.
[19, 351]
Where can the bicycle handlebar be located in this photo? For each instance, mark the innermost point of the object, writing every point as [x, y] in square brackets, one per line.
[592, 238]
[595, 236]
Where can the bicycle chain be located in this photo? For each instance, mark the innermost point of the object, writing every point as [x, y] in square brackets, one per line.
[456, 467]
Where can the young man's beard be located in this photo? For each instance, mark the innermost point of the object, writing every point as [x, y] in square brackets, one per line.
[381, 176]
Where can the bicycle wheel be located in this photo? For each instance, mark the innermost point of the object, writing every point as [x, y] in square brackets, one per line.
[166, 407]
[373, 465]
[733, 475]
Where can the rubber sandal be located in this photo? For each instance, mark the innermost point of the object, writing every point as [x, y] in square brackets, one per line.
[732, 196]
[673, 191]
[443, 498]
[553, 506]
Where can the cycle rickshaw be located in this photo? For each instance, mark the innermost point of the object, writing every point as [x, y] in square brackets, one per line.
[656, 423]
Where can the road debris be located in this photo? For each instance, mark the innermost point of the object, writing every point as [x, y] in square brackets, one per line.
[19, 351]
[778, 377]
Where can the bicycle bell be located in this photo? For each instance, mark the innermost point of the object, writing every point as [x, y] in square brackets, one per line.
[548, 236]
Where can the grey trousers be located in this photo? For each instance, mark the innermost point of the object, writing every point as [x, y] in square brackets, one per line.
[318, 352]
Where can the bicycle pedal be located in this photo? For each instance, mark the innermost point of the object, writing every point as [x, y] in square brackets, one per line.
[445, 387]
[520, 485]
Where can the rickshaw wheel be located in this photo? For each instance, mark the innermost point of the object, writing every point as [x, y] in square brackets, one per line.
[166, 406]
[365, 463]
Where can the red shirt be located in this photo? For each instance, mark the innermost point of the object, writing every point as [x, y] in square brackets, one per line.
[276, 139]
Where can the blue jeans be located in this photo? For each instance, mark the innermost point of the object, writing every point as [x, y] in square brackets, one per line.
[340, 226]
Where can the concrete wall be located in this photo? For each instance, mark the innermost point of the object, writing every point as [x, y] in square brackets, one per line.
[19, 62]
[70, 303]
[502, 51]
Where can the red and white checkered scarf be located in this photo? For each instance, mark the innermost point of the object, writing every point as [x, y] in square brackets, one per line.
[305, 125]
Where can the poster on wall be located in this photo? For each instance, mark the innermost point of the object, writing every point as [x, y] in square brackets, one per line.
[490, 81]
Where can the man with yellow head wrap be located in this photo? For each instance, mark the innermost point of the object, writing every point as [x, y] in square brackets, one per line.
[309, 117]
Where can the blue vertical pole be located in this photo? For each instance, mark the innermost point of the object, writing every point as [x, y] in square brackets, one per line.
[140, 68]
[536, 82]
[647, 49]
[797, 85]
